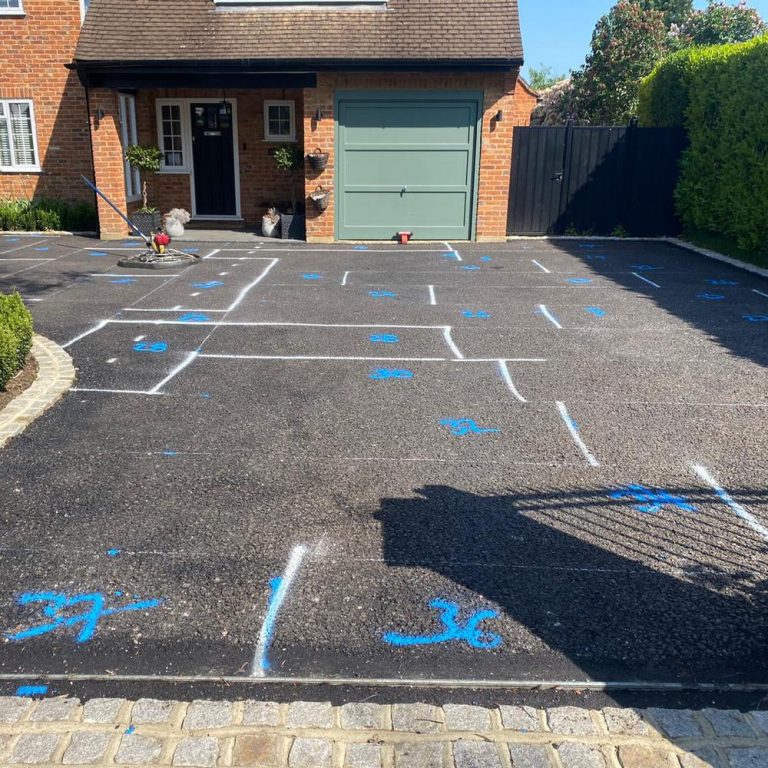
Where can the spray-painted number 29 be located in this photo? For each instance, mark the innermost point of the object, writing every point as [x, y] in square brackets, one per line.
[146, 346]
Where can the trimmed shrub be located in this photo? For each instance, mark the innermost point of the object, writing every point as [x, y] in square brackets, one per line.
[8, 355]
[44, 214]
[16, 319]
[719, 90]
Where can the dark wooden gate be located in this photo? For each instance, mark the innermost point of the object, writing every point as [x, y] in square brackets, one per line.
[592, 180]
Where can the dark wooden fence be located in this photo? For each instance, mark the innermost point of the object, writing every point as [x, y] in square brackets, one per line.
[591, 180]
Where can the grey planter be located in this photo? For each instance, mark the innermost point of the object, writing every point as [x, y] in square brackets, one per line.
[293, 226]
[147, 222]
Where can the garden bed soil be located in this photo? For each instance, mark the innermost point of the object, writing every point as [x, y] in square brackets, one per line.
[23, 379]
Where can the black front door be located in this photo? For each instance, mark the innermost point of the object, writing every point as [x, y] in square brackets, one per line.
[214, 157]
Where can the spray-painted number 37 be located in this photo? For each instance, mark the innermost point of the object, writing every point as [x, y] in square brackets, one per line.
[146, 346]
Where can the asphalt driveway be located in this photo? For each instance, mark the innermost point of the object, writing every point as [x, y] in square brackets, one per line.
[530, 461]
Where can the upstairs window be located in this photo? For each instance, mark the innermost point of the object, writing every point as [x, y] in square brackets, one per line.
[279, 121]
[18, 140]
[11, 7]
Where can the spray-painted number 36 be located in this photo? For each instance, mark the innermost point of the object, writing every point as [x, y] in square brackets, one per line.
[146, 346]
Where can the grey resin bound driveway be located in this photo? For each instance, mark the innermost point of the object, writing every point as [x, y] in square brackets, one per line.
[531, 461]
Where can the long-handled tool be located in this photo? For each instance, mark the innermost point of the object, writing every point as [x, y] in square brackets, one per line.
[153, 257]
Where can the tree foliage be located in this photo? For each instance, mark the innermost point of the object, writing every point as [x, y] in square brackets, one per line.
[543, 77]
[675, 11]
[626, 44]
[720, 23]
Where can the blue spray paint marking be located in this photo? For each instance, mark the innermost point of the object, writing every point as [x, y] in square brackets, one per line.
[579, 280]
[134, 243]
[470, 632]
[451, 255]
[123, 280]
[652, 500]
[644, 267]
[471, 267]
[384, 338]
[11, 239]
[710, 296]
[129, 730]
[207, 286]
[118, 593]
[596, 311]
[170, 453]
[99, 253]
[360, 248]
[589, 245]
[460, 427]
[205, 395]
[481, 313]
[43, 248]
[756, 318]
[56, 602]
[382, 294]
[156, 347]
[113, 552]
[381, 374]
[486, 258]
[194, 317]
[722, 282]
[190, 250]
[32, 690]
[312, 276]
[596, 257]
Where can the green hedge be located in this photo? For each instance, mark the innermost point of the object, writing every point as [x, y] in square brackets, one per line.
[15, 335]
[718, 94]
[45, 214]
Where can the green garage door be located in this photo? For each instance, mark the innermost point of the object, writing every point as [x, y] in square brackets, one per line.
[406, 162]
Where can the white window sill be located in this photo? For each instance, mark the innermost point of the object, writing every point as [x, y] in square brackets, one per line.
[280, 141]
[133, 199]
[19, 169]
[15, 13]
[173, 172]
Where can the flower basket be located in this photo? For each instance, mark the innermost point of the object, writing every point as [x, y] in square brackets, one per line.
[321, 197]
[318, 161]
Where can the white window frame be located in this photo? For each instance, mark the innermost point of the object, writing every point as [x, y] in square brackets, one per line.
[127, 132]
[280, 139]
[186, 133]
[15, 168]
[14, 11]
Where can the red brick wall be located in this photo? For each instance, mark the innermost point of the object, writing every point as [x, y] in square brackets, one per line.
[261, 183]
[496, 140]
[33, 51]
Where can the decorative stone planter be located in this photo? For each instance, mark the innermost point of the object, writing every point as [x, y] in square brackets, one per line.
[293, 226]
[147, 222]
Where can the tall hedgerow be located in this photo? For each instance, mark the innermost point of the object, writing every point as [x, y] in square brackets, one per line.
[720, 95]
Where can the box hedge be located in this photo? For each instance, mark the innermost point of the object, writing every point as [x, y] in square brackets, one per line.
[43, 214]
[718, 94]
[15, 335]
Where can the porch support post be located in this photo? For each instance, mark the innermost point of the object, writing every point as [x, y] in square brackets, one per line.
[108, 166]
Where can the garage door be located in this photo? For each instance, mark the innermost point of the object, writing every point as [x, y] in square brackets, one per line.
[406, 163]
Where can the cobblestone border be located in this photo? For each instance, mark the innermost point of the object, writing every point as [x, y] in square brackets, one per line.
[205, 734]
[55, 376]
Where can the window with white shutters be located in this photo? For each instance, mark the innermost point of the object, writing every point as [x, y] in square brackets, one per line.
[18, 140]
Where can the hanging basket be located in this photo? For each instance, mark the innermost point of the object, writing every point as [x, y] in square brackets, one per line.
[321, 197]
[318, 161]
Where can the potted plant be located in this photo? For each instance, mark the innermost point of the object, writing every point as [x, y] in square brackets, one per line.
[269, 223]
[145, 160]
[175, 221]
[292, 225]
[318, 161]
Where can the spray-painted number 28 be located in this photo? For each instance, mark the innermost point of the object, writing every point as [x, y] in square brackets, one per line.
[145, 346]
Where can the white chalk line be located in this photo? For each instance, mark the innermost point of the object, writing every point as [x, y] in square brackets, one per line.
[116, 391]
[95, 328]
[541, 267]
[225, 356]
[125, 274]
[591, 460]
[432, 297]
[39, 261]
[344, 279]
[760, 293]
[273, 324]
[453, 250]
[544, 311]
[26, 245]
[451, 343]
[508, 380]
[725, 497]
[645, 279]
[178, 369]
[260, 661]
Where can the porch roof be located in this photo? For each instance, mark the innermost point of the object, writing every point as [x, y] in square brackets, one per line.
[460, 33]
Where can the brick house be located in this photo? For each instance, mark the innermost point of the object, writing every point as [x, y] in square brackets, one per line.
[413, 100]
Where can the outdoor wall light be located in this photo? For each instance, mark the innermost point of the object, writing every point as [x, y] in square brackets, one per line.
[318, 115]
[499, 116]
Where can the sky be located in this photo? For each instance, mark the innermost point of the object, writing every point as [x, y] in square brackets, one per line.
[557, 32]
